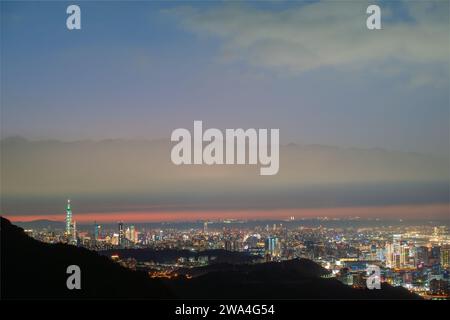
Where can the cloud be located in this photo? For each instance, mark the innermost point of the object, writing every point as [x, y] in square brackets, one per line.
[325, 34]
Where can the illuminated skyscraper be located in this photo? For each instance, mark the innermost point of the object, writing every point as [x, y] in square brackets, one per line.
[273, 246]
[205, 227]
[404, 256]
[97, 231]
[74, 233]
[435, 255]
[373, 252]
[68, 219]
[389, 255]
[121, 234]
[130, 234]
[397, 241]
[396, 251]
[445, 256]
[422, 254]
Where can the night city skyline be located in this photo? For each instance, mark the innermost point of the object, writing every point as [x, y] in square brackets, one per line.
[225, 157]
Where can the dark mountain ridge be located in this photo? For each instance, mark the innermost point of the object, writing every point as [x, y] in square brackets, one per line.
[34, 270]
[171, 255]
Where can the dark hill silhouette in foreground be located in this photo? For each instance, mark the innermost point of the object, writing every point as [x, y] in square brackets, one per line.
[293, 279]
[34, 270]
[172, 255]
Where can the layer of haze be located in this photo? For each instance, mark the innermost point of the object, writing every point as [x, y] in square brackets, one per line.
[138, 176]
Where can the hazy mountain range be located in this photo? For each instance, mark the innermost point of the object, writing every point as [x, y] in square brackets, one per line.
[138, 175]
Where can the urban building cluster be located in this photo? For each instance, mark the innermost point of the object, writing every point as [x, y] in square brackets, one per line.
[416, 257]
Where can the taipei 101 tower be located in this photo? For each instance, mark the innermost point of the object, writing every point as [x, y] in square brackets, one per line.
[68, 219]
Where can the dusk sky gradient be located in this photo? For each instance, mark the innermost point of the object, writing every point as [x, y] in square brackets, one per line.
[359, 112]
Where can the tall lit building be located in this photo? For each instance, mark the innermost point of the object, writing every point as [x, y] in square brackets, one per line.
[97, 231]
[435, 255]
[74, 233]
[68, 219]
[445, 256]
[205, 227]
[389, 255]
[273, 246]
[395, 258]
[121, 234]
[404, 256]
[373, 252]
[131, 234]
[397, 241]
[422, 254]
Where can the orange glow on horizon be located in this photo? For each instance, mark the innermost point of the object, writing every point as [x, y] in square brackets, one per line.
[431, 211]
